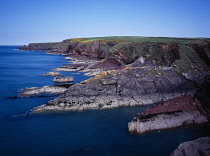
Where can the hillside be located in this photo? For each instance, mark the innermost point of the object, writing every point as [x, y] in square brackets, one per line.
[189, 57]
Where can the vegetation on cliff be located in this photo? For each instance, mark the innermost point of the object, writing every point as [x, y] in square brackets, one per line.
[189, 58]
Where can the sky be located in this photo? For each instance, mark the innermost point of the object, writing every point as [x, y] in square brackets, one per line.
[28, 21]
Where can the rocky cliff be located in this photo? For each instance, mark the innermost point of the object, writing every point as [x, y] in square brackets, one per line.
[136, 73]
[189, 58]
[150, 72]
[173, 75]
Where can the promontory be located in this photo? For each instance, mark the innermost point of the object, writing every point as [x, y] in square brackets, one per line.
[170, 73]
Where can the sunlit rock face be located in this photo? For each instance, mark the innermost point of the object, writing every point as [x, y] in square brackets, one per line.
[128, 87]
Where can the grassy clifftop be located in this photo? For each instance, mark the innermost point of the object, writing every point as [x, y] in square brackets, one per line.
[67, 42]
[188, 56]
[143, 39]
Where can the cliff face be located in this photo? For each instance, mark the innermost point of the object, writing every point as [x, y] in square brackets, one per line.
[147, 72]
[65, 47]
[190, 58]
[95, 49]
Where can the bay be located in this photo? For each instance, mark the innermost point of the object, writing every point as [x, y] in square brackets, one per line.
[93, 132]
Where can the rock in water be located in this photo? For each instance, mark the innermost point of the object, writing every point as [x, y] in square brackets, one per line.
[165, 120]
[129, 87]
[52, 74]
[72, 67]
[54, 89]
[173, 113]
[63, 79]
[199, 147]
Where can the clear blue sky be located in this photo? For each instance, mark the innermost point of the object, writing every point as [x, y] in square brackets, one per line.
[25, 21]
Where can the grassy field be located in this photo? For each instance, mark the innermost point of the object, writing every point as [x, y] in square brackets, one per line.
[141, 39]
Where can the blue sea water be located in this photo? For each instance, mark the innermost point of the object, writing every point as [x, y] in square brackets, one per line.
[94, 132]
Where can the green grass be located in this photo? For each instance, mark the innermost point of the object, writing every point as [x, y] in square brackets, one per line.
[189, 60]
[142, 39]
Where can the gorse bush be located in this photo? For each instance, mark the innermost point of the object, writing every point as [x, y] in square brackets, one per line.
[76, 39]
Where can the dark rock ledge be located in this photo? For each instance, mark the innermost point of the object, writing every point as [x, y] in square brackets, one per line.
[199, 147]
[131, 86]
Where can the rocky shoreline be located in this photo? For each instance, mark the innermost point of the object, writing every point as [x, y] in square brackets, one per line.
[128, 87]
[128, 73]
[173, 113]
[173, 75]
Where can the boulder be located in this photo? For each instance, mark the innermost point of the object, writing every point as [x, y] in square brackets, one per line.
[63, 79]
[199, 147]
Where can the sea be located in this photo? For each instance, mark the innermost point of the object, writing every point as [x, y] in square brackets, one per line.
[86, 133]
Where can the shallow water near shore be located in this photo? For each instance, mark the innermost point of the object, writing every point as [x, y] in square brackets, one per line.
[93, 132]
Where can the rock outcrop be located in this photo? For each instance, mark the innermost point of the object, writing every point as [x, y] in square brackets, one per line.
[199, 147]
[128, 87]
[63, 79]
[46, 90]
[72, 67]
[51, 74]
[173, 113]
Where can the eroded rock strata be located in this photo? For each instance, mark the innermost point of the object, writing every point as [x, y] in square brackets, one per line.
[173, 113]
[128, 87]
